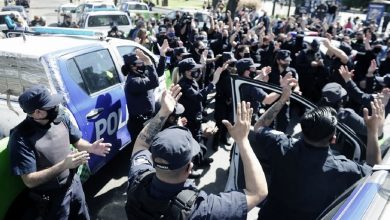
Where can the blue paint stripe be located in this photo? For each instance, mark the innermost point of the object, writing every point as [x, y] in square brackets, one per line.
[360, 204]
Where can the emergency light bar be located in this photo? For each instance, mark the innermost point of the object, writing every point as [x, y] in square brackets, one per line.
[67, 31]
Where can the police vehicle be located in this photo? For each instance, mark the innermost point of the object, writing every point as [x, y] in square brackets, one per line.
[86, 70]
[366, 199]
[103, 20]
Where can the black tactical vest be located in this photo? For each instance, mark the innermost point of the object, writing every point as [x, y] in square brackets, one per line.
[140, 205]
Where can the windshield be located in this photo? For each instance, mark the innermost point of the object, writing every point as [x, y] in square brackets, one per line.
[138, 7]
[107, 20]
[67, 9]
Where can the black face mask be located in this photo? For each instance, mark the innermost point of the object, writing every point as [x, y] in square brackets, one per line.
[254, 47]
[264, 46]
[140, 69]
[195, 74]
[252, 74]
[359, 41]
[377, 50]
[200, 51]
[247, 55]
[52, 114]
[284, 65]
[161, 38]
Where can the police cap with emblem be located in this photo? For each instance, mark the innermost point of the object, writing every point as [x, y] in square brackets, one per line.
[175, 146]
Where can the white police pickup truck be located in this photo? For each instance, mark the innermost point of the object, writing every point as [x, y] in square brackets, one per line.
[86, 71]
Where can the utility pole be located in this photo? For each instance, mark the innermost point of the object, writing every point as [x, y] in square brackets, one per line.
[289, 6]
[273, 8]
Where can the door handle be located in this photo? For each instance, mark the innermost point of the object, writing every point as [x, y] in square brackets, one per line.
[94, 112]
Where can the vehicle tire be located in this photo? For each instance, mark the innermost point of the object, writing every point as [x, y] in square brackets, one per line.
[22, 208]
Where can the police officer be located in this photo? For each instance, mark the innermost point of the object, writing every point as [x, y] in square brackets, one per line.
[41, 156]
[256, 96]
[280, 69]
[335, 96]
[161, 163]
[313, 73]
[141, 81]
[192, 95]
[315, 176]
[223, 100]
[179, 53]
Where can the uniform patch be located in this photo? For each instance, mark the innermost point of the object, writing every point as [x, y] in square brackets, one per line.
[141, 160]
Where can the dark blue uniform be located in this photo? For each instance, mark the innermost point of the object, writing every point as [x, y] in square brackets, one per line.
[192, 101]
[230, 205]
[283, 118]
[255, 96]
[139, 92]
[34, 147]
[305, 179]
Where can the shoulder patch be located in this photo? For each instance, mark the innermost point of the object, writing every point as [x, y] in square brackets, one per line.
[142, 159]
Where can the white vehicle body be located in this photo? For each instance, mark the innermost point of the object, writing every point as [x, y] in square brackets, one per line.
[91, 6]
[65, 9]
[102, 21]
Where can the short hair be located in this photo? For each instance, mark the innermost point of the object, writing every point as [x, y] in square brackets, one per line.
[319, 124]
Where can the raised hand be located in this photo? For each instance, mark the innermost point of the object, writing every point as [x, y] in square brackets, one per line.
[100, 148]
[240, 130]
[372, 121]
[371, 70]
[287, 88]
[345, 73]
[169, 99]
[164, 48]
[75, 159]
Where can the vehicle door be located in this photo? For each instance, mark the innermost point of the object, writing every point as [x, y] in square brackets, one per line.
[347, 144]
[96, 96]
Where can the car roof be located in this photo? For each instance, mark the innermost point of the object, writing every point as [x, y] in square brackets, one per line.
[66, 5]
[9, 12]
[13, 8]
[38, 46]
[135, 3]
[105, 13]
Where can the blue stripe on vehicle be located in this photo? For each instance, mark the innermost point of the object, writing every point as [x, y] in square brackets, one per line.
[65, 31]
[358, 204]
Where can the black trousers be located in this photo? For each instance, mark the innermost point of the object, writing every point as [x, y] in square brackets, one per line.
[67, 203]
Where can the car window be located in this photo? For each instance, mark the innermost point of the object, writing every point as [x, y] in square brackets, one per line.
[75, 74]
[137, 7]
[2, 19]
[107, 20]
[97, 70]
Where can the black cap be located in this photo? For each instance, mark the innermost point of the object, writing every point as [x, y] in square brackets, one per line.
[315, 43]
[384, 80]
[175, 146]
[38, 97]
[283, 55]
[245, 64]
[333, 92]
[188, 64]
[228, 56]
[346, 48]
[162, 29]
[178, 51]
[131, 59]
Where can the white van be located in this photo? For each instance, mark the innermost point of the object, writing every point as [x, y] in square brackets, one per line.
[103, 20]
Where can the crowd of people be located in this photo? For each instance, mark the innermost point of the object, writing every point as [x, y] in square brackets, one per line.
[344, 70]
